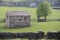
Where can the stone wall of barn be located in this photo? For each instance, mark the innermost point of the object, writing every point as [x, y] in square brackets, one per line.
[17, 21]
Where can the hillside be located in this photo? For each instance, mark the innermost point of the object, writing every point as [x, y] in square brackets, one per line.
[52, 24]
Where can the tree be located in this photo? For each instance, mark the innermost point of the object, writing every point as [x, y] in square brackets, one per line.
[43, 10]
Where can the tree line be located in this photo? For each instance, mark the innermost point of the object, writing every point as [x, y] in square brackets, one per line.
[27, 2]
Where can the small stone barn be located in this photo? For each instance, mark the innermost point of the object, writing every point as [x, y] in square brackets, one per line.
[33, 5]
[17, 19]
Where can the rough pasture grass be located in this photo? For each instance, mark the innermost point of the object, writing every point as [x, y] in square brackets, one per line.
[51, 25]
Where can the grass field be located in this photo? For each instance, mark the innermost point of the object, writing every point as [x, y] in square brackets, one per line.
[52, 24]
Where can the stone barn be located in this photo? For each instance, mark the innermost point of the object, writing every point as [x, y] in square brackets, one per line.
[17, 19]
[33, 5]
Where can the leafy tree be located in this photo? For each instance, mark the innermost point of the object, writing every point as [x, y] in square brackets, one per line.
[43, 9]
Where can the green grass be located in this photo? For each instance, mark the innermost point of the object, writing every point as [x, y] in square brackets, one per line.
[52, 25]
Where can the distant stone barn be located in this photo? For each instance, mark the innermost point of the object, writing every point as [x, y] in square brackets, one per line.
[17, 19]
[33, 5]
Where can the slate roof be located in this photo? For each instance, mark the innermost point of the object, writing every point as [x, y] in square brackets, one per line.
[10, 13]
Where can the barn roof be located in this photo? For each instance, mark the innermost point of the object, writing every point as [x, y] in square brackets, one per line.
[9, 13]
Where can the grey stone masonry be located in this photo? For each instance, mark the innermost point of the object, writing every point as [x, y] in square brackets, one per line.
[17, 19]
